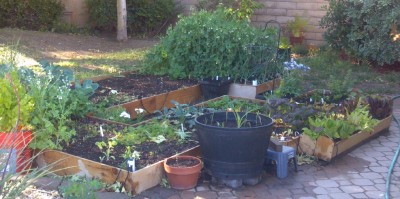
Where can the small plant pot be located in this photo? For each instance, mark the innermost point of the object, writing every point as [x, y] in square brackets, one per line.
[296, 40]
[20, 145]
[182, 171]
[284, 53]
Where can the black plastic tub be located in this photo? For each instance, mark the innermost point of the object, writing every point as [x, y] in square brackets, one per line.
[231, 152]
[214, 88]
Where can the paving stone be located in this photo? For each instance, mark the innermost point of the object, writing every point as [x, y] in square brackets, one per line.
[320, 190]
[228, 197]
[224, 194]
[174, 197]
[379, 169]
[333, 190]
[113, 195]
[187, 194]
[375, 194]
[327, 183]
[243, 193]
[206, 194]
[362, 182]
[341, 195]
[323, 196]
[352, 189]
[359, 195]
[297, 191]
[369, 188]
[371, 175]
[344, 182]
[203, 188]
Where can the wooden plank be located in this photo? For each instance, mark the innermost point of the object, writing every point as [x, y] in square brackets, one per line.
[150, 104]
[250, 91]
[66, 164]
[326, 149]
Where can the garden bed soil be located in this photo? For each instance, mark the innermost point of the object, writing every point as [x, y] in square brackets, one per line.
[87, 134]
[137, 86]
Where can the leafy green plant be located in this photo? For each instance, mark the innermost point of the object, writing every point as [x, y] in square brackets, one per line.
[300, 49]
[340, 87]
[297, 26]
[366, 29]
[156, 131]
[290, 85]
[78, 188]
[9, 103]
[236, 104]
[56, 102]
[117, 114]
[339, 126]
[106, 149]
[242, 9]
[207, 44]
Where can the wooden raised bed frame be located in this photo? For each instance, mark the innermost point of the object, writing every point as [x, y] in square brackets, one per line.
[326, 149]
[64, 164]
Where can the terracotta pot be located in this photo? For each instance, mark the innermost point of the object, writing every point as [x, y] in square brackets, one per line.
[22, 139]
[182, 177]
[296, 40]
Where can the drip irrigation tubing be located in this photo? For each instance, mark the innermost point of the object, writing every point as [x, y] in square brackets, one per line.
[394, 160]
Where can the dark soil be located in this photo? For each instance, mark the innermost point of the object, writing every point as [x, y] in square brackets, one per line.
[182, 163]
[87, 134]
[136, 86]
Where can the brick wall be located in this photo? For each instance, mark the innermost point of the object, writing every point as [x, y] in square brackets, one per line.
[283, 11]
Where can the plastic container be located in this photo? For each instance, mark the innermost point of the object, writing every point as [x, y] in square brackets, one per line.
[231, 152]
[214, 88]
[22, 139]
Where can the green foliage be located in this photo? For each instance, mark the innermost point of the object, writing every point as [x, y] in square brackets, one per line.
[338, 126]
[107, 149]
[9, 103]
[237, 105]
[242, 9]
[30, 14]
[297, 26]
[81, 188]
[156, 131]
[143, 16]
[300, 49]
[208, 44]
[340, 87]
[366, 29]
[291, 84]
[114, 114]
[55, 104]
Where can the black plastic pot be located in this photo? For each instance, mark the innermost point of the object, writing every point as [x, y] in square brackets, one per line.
[214, 88]
[284, 53]
[233, 153]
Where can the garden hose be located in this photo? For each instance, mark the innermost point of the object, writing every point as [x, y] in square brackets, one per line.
[394, 160]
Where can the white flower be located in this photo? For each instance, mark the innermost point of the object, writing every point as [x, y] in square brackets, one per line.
[139, 110]
[114, 92]
[125, 114]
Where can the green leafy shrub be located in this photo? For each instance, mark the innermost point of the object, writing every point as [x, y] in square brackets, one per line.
[30, 14]
[78, 188]
[364, 28]
[143, 16]
[209, 44]
[9, 103]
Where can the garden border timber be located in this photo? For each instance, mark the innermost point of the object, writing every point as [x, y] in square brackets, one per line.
[150, 104]
[326, 149]
[65, 164]
[250, 91]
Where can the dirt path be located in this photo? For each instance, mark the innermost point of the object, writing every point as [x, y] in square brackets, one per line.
[55, 46]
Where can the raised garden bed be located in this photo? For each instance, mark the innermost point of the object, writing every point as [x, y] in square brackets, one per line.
[327, 149]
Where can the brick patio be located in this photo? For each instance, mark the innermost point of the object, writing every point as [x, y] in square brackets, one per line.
[361, 173]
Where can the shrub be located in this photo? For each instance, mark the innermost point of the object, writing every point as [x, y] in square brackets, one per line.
[366, 29]
[143, 16]
[209, 44]
[31, 14]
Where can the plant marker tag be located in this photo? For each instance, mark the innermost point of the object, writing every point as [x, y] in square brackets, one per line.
[255, 82]
[282, 138]
[101, 131]
[217, 78]
[182, 127]
[131, 165]
[311, 100]
[322, 100]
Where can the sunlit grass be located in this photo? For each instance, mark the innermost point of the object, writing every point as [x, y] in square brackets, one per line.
[105, 63]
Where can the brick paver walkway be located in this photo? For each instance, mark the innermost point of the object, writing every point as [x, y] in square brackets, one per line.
[361, 173]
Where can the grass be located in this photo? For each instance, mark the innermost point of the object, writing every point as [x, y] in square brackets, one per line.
[104, 63]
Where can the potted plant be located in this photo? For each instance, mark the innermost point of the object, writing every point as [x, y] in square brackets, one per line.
[214, 87]
[15, 108]
[233, 145]
[296, 28]
[182, 171]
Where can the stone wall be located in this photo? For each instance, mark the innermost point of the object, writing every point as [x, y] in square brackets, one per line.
[283, 11]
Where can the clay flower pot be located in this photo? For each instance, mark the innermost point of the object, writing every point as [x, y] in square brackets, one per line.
[182, 171]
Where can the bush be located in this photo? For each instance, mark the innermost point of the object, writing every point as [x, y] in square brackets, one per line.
[30, 14]
[143, 16]
[209, 44]
[365, 29]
